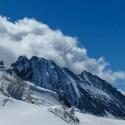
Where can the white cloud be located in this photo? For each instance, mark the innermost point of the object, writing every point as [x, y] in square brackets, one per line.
[32, 38]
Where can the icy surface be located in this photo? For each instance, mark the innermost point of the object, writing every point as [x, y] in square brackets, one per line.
[22, 113]
[87, 119]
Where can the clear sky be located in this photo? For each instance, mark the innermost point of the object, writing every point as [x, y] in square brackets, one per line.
[99, 24]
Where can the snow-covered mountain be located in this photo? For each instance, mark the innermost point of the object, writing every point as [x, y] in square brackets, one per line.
[38, 106]
[21, 90]
[37, 91]
[23, 103]
[85, 91]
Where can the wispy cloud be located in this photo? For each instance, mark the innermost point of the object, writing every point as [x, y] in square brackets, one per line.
[32, 38]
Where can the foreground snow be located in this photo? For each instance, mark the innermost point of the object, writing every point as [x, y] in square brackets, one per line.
[13, 112]
[22, 113]
[87, 119]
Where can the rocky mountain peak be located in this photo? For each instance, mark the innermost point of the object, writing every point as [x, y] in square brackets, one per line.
[87, 92]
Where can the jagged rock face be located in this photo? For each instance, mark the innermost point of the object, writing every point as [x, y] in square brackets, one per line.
[12, 87]
[1, 63]
[46, 74]
[87, 92]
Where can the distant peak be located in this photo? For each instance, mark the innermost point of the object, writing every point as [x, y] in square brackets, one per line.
[85, 72]
[21, 58]
[34, 58]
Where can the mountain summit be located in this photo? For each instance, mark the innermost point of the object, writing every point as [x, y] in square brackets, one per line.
[85, 91]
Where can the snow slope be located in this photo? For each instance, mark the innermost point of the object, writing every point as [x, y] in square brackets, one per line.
[22, 113]
[16, 112]
[87, 119]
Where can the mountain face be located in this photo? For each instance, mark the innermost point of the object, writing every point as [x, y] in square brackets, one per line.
[17, 95]
[87, 92]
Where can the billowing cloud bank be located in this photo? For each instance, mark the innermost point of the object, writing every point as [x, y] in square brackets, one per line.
[32, 38]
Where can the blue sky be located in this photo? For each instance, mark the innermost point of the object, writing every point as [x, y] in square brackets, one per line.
[99, 25]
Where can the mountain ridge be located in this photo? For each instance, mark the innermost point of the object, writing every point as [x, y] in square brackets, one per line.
[87, 92]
